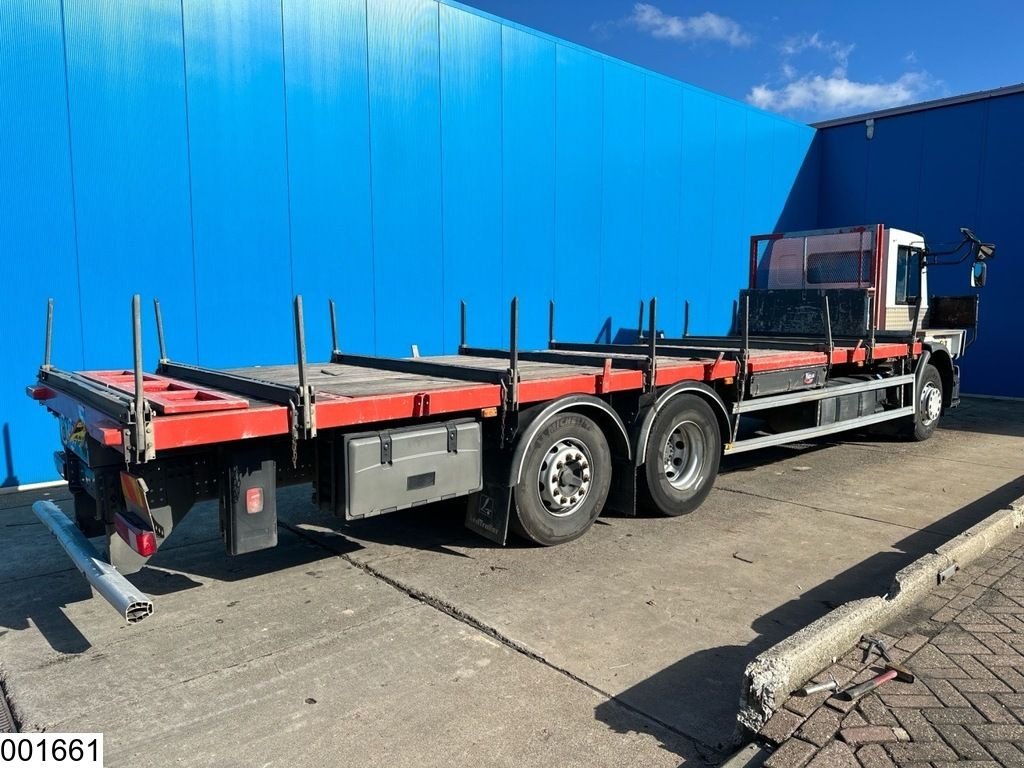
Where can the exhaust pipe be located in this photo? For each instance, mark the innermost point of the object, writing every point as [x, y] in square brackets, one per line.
[132, 604]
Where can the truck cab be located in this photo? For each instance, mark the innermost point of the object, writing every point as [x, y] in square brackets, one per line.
[883, 269]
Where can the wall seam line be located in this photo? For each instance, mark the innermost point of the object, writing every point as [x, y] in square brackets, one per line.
[441, 178]
[369, 166]
[188, 161]
[71, 177]
[287, 160]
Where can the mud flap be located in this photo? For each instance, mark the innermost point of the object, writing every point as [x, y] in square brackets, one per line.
[249, 504]
[488, 512]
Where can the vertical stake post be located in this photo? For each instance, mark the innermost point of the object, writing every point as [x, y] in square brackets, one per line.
[686, 318]
[513, 354]
[139, 427]
[300, 342]
[160, 331]
[462, 323]
[551, 323]
[47, 352]
[334, 328]
[640, 323]
[652, 344]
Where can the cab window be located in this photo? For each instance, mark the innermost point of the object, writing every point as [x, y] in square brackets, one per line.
[908, 275]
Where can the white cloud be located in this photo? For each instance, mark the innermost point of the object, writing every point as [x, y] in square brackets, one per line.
[838, 51]
[707, 26]
[817, 94]
[806, 90]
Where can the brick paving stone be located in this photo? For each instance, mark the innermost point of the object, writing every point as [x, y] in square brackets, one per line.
[953, 715]
[1005, 754]
[916, 725]
[920, 753]
[994, 642]
[969, 663]
[806, 705]
[875, 711]
[893, 700]
[781, 726]
[793, 754]
[997, 732]
[911, 643]
[947, 694]
[1014, 701]
[841, 705]
[820, 727]
[945, 615]
[930, 656]
[868, 734]
[981, 686]
[853, 720]
[993, 710]
[966, 746]
[873, 756]
[1013, 678]
[966, 764]
[834, 755]
[1011, 659]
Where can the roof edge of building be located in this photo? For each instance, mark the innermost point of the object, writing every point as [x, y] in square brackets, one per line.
[949, 101]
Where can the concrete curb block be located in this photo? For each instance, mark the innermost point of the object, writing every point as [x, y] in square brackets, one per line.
[775, 674]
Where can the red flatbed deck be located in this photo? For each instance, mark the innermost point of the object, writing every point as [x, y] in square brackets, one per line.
[187, 414]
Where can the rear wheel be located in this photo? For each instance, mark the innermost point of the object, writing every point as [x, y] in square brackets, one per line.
[683, 452]
[565, 480]
[928, 408]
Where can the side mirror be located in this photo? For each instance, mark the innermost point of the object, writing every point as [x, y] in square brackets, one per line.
[979, 274]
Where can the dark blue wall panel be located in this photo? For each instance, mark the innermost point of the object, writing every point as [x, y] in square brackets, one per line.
[932, 172]
[235, 86]
[471, 173]
[329, 169]
[528, 171]
[126, 88]
[405, 148]
[395, 155]
[37, 230]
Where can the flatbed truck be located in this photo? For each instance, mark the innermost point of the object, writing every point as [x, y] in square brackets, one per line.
[835, 332]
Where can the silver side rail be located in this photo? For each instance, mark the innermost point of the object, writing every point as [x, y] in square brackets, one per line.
[774, 401]
[826, 429]
[132, 604]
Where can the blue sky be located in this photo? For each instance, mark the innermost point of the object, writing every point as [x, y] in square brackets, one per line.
[805, 59]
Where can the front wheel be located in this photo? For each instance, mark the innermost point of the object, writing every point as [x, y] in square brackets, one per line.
[566, 475]
[684, 449]
[928, 408]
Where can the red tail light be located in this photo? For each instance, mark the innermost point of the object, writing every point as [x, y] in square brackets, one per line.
[254, 501]
[135, 533]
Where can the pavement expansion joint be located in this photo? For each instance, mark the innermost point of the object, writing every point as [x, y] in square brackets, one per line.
[8, 724]
[468, 619]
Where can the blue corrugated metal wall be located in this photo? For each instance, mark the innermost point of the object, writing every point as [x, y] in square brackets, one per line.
[398, 155]
[932, 172]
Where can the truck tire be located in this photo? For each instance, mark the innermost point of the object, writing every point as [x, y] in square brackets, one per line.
[684, 449]
[566, 475]
[928, 408]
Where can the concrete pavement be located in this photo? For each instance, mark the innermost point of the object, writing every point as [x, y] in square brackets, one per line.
[421, 642]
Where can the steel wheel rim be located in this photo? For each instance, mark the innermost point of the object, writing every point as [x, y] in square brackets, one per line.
[931, 403]
[564, 478]
[684, 455]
